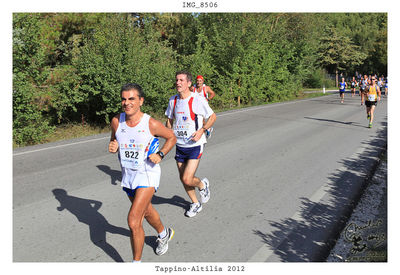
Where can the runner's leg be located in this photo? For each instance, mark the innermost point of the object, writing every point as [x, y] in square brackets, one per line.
[153, 218]
[372, 109]
[187, 171]
[368, 111]
[140, 204]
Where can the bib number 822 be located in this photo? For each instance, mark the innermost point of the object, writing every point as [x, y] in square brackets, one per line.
[131, 154]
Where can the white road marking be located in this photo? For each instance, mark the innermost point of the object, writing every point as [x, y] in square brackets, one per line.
[59, 146]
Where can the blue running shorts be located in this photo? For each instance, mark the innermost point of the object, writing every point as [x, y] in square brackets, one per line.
[183, 154]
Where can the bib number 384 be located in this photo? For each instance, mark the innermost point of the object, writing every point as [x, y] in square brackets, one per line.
[181, 134]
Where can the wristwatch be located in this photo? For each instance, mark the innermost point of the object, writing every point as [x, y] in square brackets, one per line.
[161, 154]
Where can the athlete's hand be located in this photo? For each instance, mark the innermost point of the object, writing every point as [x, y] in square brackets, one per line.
[113, 146]
[155, 158]
[197, 135]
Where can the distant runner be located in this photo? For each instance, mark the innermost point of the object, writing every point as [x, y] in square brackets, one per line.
[203, 89]
[380, 84]
[206, 92]
[386, 86]
[353, 86]
[363, 88]
[373, 95]
[133, 134]
[342, 89]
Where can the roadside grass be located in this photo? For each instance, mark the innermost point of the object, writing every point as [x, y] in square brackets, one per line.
[300, 96]
[319, 89]
[76, 130]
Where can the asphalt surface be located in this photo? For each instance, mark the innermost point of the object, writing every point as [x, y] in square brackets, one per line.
[284, 179]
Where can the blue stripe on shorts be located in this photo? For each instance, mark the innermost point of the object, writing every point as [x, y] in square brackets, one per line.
[131, 192]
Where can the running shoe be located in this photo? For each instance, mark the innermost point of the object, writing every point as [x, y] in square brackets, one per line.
[370, 125]
[368, 117]
[162, 246]
[205, 192]
[194, 209]
[208, 132]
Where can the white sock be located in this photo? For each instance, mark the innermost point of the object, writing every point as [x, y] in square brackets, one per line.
[136, 261]
[163, 233]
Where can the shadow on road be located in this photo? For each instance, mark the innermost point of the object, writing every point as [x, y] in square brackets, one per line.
[175, 200]
[114, 174]
[310, 237]
[338, 122]
[86, 211]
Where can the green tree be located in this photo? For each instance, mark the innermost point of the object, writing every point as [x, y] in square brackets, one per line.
[118, 52]
[338, 53]
[369, 32]
[30, 123]
[201, 61]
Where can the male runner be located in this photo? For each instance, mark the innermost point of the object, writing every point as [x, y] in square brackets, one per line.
[372, 96]
[205, 91]
[386, 86]
[363, 88]
[183, 112]
[380, 84]
[353, 86]
[133, 134]
[342, 89]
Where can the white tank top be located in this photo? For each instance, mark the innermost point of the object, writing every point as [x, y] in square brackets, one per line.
[134, 143]
[202, 91]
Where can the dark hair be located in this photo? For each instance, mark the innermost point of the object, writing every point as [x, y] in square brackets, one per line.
[188, 75]
[133, 86]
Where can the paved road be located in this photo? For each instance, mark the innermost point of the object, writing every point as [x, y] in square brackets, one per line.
[282, 176]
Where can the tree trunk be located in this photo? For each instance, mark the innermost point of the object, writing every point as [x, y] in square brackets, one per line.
[337, 78]
[239, 90]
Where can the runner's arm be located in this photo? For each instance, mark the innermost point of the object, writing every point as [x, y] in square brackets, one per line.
[210, 121]
[210, 92]
[379, 92]
[113, 145]
[169, 123]
[159, 130]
